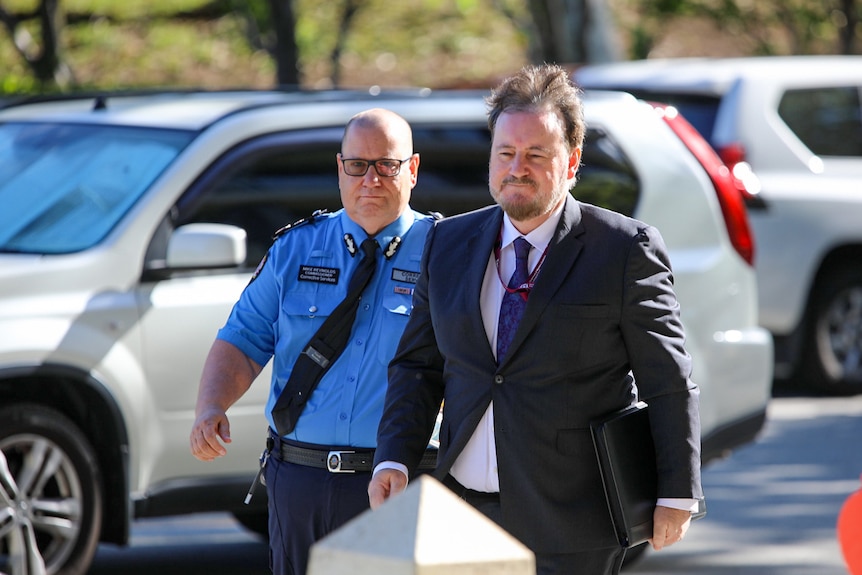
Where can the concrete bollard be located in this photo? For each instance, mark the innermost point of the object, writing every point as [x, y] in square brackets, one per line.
[426, 530]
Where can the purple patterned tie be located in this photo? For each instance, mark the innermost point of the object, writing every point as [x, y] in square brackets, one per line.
[513, 304]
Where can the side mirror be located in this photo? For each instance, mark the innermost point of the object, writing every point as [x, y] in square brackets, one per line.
[195, 246]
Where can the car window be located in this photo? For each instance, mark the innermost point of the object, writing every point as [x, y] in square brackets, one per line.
[700, 110]
[63, 187]
[279, 179]
[272, 188]
[262, 185]
[827, 120]
[453, 168]
[607, 177]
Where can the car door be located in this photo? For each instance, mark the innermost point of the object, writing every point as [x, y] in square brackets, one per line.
[259, 186]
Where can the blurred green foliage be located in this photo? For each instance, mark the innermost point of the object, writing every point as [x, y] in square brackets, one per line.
[761, 27]
[128, 44]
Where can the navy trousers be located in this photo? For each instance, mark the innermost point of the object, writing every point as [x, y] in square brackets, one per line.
[306, 504]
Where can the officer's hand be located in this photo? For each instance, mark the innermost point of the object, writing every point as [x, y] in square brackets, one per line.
[211, 428]
[669, 526]
[384, 484]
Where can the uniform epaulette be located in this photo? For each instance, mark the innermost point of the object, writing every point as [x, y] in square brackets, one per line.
[307, 220]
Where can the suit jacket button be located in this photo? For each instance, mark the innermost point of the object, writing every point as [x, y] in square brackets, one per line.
[498, 379]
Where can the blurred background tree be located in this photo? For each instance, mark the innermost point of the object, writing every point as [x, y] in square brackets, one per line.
[740, 27]
[66, 45]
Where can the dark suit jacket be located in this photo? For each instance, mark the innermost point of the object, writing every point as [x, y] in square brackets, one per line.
[602, 309]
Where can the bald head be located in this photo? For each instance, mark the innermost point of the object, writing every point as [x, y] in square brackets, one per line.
[373, 200]
[384, 122]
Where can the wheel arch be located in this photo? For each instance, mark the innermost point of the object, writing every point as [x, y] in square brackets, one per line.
[789, 346]
[835, 260]
[80, 397]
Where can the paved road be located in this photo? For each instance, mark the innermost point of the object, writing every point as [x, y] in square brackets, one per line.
[772, 510]
[773, 505]
[211, 544]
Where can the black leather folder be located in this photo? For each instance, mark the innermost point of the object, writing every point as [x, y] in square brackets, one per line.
[626, 454]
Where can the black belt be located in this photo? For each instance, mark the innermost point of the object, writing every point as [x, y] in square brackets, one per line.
[470, 495]
[341, 460]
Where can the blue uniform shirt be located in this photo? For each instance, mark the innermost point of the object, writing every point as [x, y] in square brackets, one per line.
[303, 279]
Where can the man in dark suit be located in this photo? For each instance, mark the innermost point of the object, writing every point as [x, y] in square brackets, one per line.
[522, 366]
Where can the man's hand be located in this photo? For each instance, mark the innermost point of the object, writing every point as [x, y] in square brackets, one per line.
[384, 484]
[227, 375]
[211, 428]
[669, 526]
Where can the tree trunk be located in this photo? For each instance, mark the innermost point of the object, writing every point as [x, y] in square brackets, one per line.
[48, 66]
[350, 8]
[45, 61]
[847, 33]
[285, 52]
[572, 31]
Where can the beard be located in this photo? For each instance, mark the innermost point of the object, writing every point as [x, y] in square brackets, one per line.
[522, 205]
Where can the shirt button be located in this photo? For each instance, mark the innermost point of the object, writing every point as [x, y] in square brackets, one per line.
[367, 307]
[498, 379]
[358, 342]
[342, 416]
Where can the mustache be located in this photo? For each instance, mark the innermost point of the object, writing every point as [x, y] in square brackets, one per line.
[519, 181]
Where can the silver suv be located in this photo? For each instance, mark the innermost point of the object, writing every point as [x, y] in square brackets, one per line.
[797, 123]
[130, 225]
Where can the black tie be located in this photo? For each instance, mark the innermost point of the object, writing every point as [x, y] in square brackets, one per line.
[325, 347]
[366, 268]
[514, 302]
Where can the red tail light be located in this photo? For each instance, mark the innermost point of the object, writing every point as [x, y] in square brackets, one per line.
[743, 177]
[727, 187]
[732, 154]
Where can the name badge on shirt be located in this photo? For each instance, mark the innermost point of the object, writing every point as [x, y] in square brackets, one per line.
[318, 274]
[405, 276]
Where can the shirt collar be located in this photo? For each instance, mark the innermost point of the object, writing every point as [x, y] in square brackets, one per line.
[397, 228]
[538, 238]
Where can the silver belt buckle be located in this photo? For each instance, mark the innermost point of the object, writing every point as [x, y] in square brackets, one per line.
[333, 462]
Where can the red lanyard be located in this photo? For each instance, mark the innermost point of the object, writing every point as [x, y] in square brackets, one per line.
[524, 288]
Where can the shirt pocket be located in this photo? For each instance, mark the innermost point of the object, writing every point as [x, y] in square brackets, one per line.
[310, 304]
[399, 304]
[395, 313]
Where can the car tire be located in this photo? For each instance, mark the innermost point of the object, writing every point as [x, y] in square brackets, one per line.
[832, 355]
[49, 482]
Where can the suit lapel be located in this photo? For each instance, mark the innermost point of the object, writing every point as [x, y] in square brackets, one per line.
[563, 250]
[479, 248]
[469, 267]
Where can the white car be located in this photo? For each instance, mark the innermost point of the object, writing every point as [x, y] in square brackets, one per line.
[130, 225]
[795, 121]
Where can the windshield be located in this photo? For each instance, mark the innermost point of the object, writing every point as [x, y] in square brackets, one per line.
[63, 187]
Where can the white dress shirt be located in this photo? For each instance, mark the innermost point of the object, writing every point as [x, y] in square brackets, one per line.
[476, 466]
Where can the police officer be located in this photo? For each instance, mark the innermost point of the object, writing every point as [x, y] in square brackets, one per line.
[301, 282]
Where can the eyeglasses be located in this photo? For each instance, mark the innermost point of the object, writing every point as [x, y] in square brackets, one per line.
[386, 167]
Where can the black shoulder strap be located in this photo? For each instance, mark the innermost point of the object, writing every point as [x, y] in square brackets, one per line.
[324, 347]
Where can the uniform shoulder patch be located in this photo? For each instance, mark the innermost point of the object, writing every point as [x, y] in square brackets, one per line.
[307, 220]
